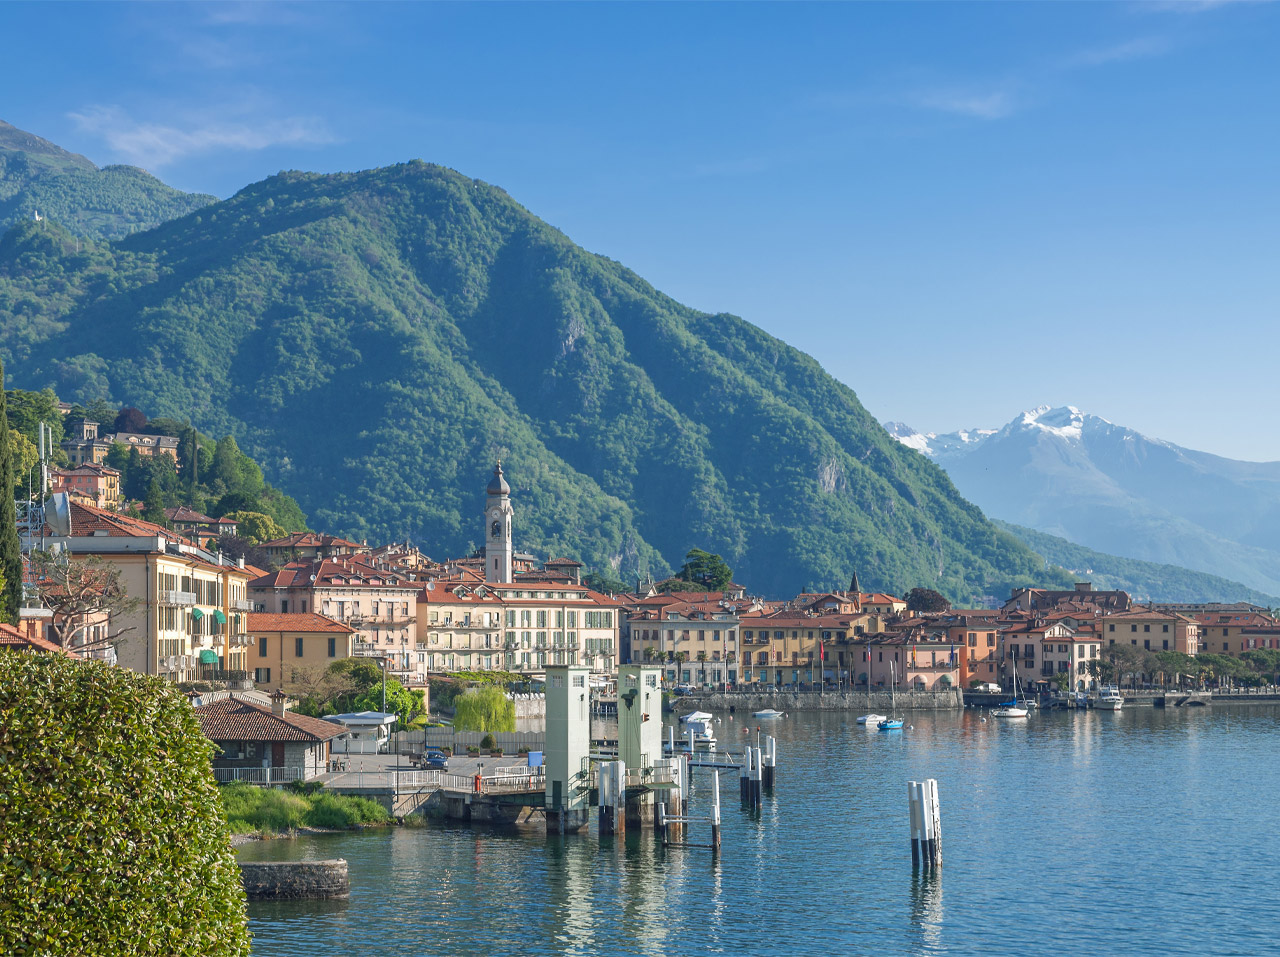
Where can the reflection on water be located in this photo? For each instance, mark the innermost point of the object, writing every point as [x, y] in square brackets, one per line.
[1069, 831]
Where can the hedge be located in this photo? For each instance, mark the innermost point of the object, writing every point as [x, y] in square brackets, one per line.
[112, 839]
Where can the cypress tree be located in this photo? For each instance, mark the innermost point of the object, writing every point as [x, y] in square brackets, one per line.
[10, 550]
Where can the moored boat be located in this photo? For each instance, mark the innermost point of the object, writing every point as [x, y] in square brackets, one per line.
[768, 713]
[1109, 702]
[871, 720]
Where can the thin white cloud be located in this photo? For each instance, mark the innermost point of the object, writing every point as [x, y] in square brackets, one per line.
[1140, 48]
[154, 145]
[980, 104]
[1191, 6]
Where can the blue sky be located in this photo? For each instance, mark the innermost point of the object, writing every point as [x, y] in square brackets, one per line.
[961, 210]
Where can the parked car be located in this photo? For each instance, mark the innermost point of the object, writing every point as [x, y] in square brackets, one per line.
[433, 759]
[988, 687]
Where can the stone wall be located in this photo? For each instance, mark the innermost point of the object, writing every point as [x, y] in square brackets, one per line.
[295, 880]
[749, 701]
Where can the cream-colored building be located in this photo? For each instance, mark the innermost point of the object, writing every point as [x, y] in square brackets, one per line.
[191, 618]
[1152, 631]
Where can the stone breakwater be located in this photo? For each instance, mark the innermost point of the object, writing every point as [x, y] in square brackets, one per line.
[747, 702]
[295, 880]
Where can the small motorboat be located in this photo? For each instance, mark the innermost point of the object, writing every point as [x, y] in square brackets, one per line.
[768, 713]
[871, 720]
[699, 716]
[1110, 702]
[890, 724]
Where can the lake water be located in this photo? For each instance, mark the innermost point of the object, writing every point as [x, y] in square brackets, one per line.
[1138, 832]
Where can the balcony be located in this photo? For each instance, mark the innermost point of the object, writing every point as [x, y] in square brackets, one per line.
[241, 604]
[180, 599]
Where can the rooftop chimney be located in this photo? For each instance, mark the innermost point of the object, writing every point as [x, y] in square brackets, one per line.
[279, 703]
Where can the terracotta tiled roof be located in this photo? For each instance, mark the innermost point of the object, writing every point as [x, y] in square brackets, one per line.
[232, 719]
[306, 621]
[309, 540]
[86, 520]
[184, 514]
[15, 639]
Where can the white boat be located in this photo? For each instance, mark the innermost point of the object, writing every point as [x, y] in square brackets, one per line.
[1011, 708]
[768, 713]
[1109, 702]
[871, 720]
[702, 733]
[700, 716]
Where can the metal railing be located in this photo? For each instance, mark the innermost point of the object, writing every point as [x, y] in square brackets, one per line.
[180, 598]
[241, 604]
[263, 776]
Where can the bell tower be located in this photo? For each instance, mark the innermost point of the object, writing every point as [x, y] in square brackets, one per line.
[497, 530]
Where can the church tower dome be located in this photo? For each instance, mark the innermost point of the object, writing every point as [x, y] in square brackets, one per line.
[498, 515]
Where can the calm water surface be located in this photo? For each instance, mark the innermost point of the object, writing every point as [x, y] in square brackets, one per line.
[1138, 832]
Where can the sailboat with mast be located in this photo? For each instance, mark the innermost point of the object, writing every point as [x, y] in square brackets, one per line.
[893, 722]
[1012, 708]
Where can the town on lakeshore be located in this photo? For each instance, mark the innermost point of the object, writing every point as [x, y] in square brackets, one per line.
[201, 616]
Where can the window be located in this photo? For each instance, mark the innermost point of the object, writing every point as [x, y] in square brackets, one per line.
[262, 648]
[1166, 628]
[1166, 644]
[297, 647]
[1133, 627]
[1111, 627]
[284, 606]
[991, 639]
[1146, 643]
[262, 675]
[1146, 627]
[333, 649]
[973, 641]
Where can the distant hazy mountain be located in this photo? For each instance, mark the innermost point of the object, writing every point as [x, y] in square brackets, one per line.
[1082, 478]
[1145, 581]
[37, 176]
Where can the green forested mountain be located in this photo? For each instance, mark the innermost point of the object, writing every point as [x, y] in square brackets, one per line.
[377, 339]
[37, 176]
[1143, 580]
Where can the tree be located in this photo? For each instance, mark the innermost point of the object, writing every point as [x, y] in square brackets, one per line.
[153, 504]
[486, 708]
[113, 838]
[404, 703]
[84, 593]
[605, 582]
[926, 600]
[703, 569]
[256, 527]
[237, 547]
[130, 419]
[26, 458]
[10, 548]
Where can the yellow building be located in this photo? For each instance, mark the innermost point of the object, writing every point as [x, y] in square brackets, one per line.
[293, 648]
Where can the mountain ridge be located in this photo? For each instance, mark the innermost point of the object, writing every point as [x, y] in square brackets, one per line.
[376, 339]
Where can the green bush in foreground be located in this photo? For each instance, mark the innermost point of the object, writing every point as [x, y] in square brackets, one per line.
[112, 839]
[251, 809]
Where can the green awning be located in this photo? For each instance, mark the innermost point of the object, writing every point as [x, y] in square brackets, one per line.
[208, 657]
[222, 619]
[197, 614]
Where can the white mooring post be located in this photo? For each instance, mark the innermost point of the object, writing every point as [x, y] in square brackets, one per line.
[770, 760]
[926, 823]
[744, 777]
[756, 771]
[715, 810]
